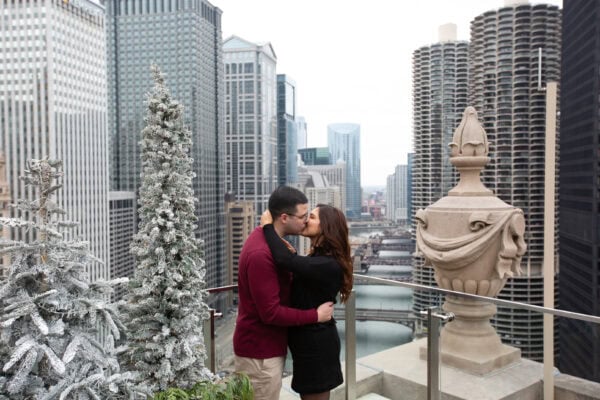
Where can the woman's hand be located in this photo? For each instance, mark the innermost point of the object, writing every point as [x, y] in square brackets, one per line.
[266, 218]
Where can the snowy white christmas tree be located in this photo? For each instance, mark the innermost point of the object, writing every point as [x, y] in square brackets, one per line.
[166, 297]
[50, 311]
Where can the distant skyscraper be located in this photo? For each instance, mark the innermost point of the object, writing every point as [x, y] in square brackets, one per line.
[315, 156]
[335, 176]
[343, 141]
[314, 182]
[440, 88]
[503, 88]
[396, 198]
[123, 225]
[302, 133]
[287, 131]
[53, 103]
[240, 223]
[184, 39]
[580, 188]
[251, 121]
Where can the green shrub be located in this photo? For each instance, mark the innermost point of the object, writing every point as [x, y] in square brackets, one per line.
[233, 387]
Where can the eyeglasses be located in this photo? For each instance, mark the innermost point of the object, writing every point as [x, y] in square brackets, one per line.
[303, 217]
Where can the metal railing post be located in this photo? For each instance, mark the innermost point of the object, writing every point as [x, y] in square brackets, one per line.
[433, 356]
[350, 311]
[209, 341]
[434, 320]
[208, 327]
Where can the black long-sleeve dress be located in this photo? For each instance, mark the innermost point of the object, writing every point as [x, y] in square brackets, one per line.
[315, 348]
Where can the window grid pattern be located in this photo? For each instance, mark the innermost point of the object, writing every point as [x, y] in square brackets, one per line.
[343, 141]
[184, 39]
[440, 91]
[123, 225]
[503, 87]
[53, 99]
[580, 188]
[251, 121]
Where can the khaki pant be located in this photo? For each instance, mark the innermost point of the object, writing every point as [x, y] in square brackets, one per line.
[265, 375]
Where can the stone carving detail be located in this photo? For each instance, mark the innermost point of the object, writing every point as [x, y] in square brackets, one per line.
[456, 253]
[469, 138]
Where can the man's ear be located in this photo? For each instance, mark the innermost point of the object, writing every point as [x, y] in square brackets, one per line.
[284, 218]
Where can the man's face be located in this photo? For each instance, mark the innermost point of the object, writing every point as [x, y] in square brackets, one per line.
[295, 222]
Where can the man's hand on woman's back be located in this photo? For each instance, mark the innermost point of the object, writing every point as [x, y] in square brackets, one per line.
[325, 311]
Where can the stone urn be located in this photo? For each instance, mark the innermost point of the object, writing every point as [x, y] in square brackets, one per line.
[474, 242]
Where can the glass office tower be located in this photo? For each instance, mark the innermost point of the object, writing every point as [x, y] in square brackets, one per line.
[184, 39]
[287, 131]
[343, 141]
[580, 188]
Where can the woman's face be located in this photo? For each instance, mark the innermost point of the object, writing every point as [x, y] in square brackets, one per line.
[313, 225]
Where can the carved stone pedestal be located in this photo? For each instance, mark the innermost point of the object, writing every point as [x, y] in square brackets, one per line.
[470, 343]
[405, 377]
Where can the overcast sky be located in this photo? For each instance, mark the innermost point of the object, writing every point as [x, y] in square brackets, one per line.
[351, 61]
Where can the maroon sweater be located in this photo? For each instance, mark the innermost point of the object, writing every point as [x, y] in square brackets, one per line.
[264, 293]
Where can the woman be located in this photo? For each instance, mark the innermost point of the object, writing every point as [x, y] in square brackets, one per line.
[317, 278]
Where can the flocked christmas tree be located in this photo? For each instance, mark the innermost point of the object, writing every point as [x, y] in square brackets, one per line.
[50, 311]
[166, 296]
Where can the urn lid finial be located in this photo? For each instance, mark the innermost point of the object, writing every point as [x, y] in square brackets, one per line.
[469, 138]
[469, 154]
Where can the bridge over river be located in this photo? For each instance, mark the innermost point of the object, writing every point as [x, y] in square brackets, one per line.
[358, 280]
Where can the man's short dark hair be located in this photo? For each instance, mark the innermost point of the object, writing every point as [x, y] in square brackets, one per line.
[284, 200]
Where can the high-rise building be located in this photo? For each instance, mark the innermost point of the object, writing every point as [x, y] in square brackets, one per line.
[396, 198]
[315, 156]
[240, 223]
[4, 212]
[315, 184]
[123, 225]
[580, 188]
[343, 141]
[251, 121]
[302, 133]
[440, 89]
[184, 39]
[53, 100]
[409, 185]
[287, 131]
[504, 89]
[335, 176]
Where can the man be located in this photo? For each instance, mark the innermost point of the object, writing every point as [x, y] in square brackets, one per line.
[260, 336]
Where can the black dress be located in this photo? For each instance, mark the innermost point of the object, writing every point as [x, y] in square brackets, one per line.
[315, 348]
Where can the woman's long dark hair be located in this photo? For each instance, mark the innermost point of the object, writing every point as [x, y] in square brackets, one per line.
[333, 241]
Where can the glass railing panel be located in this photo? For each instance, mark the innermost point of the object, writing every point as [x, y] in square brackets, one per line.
[218, 328]
[384, 317]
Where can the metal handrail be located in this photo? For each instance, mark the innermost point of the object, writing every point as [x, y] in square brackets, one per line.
[433, 334]
[219, 289]
[501, 302]
[209, 329]
[350, 310]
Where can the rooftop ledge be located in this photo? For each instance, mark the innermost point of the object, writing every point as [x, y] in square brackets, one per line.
[400, 374]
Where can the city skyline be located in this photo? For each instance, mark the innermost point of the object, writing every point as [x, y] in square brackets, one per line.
[341, 73]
